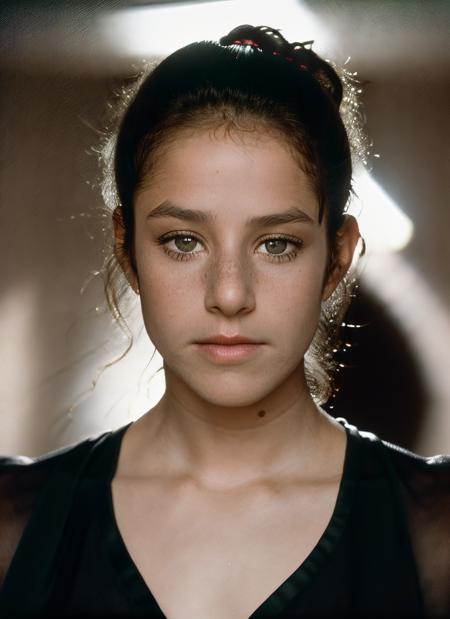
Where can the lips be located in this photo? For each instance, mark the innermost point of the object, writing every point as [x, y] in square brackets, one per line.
[222, 349]
[228, 340]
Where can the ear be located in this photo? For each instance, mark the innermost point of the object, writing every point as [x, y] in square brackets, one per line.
[346, 240]
[122, 255]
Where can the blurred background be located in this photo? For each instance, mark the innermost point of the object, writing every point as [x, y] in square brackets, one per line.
[60, 64]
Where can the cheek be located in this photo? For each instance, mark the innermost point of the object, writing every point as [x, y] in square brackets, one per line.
[300, 285]
[292, 304]
[298, 303]
[167, 303]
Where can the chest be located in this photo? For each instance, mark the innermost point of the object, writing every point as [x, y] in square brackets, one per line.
[218, 554]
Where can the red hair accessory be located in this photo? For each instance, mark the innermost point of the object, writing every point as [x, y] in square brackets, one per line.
[275, 53]
[246, 42]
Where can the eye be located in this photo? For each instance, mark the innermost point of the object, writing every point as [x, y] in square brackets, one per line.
[276, 246]
[183, 245]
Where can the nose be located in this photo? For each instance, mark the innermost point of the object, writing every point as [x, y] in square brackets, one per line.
[230, 287]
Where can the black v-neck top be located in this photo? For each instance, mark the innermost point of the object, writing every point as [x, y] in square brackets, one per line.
[385, 551]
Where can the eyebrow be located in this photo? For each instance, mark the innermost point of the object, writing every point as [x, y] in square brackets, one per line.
[169, 209]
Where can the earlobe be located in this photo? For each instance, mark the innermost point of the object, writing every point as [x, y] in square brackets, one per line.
[120, 252]
[346, 240]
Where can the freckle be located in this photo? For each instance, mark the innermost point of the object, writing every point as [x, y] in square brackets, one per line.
[261, 413]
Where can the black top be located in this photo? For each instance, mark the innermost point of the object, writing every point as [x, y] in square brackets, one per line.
[385, 551]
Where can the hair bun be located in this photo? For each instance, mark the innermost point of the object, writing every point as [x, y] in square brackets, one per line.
[270, 40]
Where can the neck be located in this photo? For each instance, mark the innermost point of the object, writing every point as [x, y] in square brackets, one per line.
[283, 433]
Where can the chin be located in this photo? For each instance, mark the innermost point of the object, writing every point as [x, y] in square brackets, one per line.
[246, 398]
[230, 389]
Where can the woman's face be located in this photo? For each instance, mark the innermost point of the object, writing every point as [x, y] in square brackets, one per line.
[222, 269]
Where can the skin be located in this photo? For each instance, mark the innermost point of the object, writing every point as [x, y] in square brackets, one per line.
[209, 412]
[245, 438]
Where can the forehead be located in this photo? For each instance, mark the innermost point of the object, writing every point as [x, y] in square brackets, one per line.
[228, 172]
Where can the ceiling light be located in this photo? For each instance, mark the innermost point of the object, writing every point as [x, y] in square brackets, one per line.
[156, 31]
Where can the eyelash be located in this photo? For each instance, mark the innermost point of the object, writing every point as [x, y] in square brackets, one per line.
[184, 256]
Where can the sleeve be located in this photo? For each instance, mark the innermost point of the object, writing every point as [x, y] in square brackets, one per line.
[21, 480]
[425, 491]
[36, 498]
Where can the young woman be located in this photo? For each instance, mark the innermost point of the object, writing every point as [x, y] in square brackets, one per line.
[236, 496]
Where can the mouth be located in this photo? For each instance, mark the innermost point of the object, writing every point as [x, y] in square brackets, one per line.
[226, 353]
[228, 340]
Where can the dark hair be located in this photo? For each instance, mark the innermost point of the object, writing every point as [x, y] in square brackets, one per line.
[251, 77]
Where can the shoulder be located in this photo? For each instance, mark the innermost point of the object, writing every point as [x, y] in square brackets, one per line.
[404, 462]
[20, 466]
[420, 487]
[24, 479]
[423, 486]
[18, 462]
[425, 476]
[21, 476]
[423, 482]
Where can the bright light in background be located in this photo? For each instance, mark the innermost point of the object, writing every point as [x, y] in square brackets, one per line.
[119, 392]
[383, 225]
[146, 32]
[18, 311]
[154, 32]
